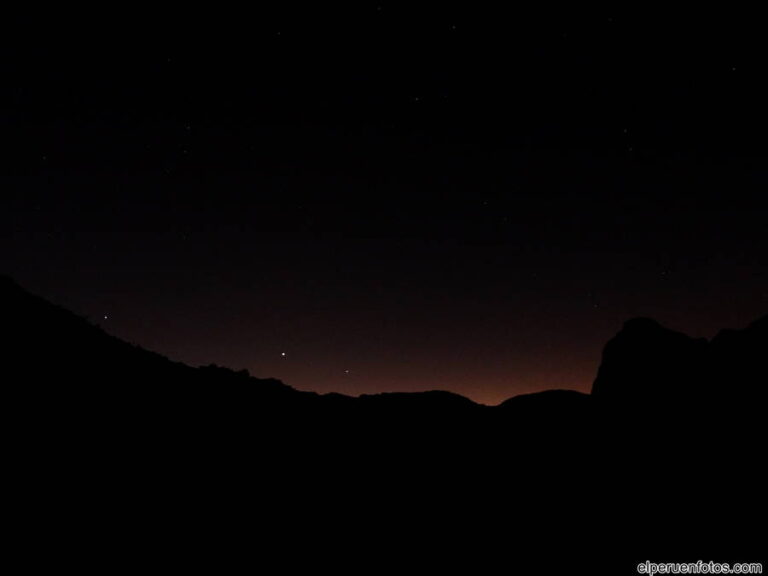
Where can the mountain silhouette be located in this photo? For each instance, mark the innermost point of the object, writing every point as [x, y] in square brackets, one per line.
[129, 450]
[643, 363]
[647, 364]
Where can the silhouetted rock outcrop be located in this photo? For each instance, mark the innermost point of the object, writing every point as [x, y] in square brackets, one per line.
[646, 365]
[646, 362]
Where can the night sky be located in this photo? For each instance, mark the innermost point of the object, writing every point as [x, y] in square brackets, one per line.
[375, 197]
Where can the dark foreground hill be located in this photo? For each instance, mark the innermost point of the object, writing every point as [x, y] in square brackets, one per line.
[117, 454]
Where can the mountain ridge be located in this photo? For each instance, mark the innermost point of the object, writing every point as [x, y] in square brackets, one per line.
[127, 455]
[655, 353]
